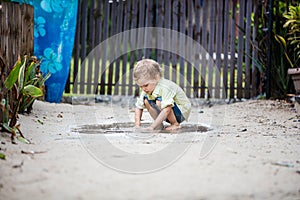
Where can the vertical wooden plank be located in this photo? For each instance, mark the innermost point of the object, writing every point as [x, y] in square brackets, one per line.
[98, 39]
[4, 34]
[26, 32]
[141, 35]
[4, 39]
[182, 29]
[118, 73]
[204, 48]
[104, 55]
[113, 31]
[126, 24]
[197, 37]
[219, 31]
[226, 47]
[91, 30]
[98, 21]
[148, 23]
[240, 50]
[83, 41]
[232, 49]
[18, 32]
[248, 49]
[190, 49]
[211, 41]
[159, 34]
[254, 53]
[141, 32]
[133, 39]
[91, 44]
[175, 13]
[77, 51]
[167, 36]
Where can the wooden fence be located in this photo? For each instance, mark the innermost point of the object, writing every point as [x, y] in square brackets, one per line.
[16, 32]
[206, 46]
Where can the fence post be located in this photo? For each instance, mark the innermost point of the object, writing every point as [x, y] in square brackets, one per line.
[269, 61]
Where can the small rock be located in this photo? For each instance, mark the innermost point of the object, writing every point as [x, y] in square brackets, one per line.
[116, 99]
[98, 99]
[106, 99]
[283, 164]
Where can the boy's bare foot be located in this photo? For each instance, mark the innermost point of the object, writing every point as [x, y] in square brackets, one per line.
[160, 127]
[173, 127]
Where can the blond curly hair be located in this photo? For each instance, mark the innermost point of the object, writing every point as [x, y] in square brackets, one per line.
[146, 70]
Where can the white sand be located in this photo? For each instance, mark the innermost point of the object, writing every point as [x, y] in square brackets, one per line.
[252, 152]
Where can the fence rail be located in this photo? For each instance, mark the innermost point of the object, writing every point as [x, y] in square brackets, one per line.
[204, 46]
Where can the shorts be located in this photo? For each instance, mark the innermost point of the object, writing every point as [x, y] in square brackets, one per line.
[179, 117]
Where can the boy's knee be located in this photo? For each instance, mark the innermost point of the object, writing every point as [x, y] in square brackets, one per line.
[146, 101]
[158, 103]
[147, 104]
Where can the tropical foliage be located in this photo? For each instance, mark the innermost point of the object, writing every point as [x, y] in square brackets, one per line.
[23, 85]
[293, 36]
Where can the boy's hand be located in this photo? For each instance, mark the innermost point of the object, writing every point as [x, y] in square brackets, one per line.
[142, 130]
[147, 130]
[150, 128]
[137, 128]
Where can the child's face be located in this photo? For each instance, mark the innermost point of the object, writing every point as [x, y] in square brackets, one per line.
[148, 87]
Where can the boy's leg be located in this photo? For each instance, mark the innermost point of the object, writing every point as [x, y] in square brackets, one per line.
[174, 123]
[175, 118]
[172, 118]
[155, 108]
[152, 108]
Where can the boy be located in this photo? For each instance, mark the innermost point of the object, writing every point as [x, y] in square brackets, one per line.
[163, 99]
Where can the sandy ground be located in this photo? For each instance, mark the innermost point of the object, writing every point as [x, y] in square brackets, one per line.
[251, 151]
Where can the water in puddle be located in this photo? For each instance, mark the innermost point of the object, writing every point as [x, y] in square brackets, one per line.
[129, 128]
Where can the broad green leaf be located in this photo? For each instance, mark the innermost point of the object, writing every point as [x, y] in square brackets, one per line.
[33, 91]
[21, 75]
[13, 76]
[30, 70]
[24, 140]
[45, 78]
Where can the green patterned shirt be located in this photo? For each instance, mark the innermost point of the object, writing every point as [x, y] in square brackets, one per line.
[170, 93]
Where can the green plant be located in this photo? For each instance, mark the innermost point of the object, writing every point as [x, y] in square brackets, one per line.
[24, 85]
[292, 24]
[275, 76]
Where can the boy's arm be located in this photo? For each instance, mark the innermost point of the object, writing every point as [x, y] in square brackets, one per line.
[161, 117]
[138, 117]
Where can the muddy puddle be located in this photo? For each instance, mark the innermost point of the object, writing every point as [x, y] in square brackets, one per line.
[129, 128]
